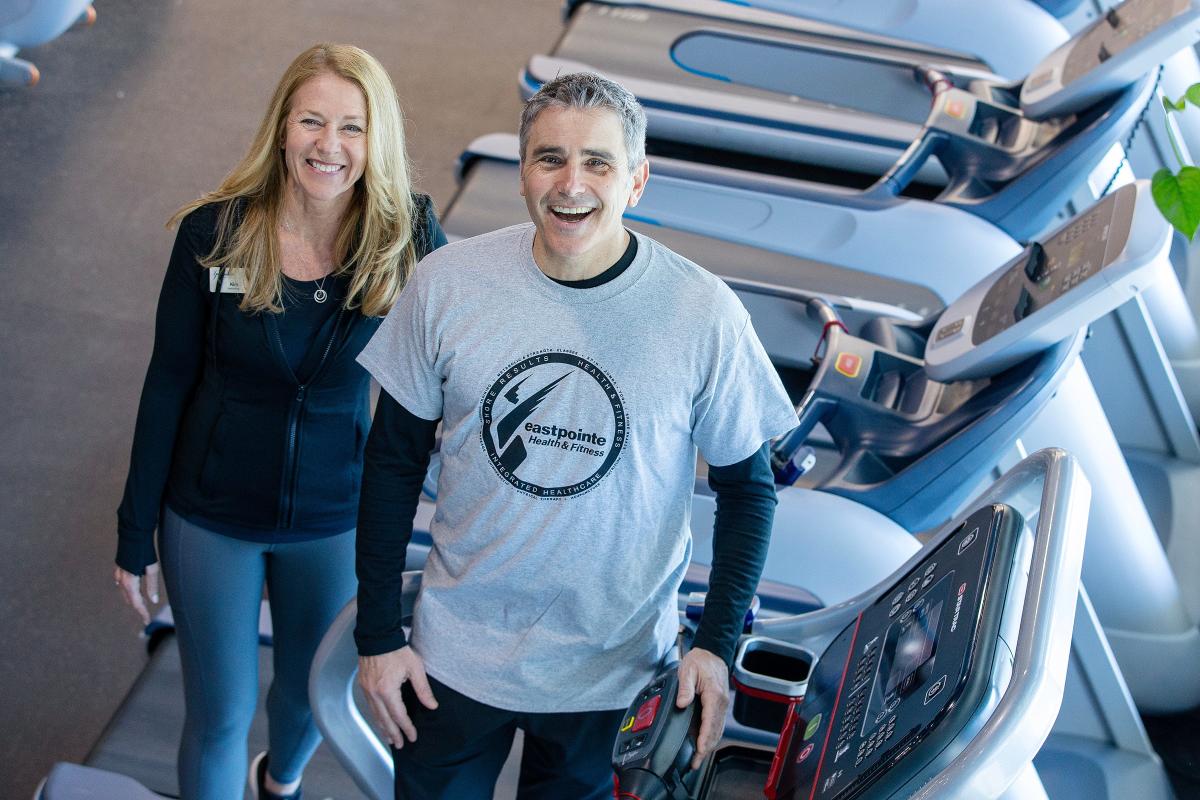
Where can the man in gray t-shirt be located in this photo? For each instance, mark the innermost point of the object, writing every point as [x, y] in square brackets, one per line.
[576, 369]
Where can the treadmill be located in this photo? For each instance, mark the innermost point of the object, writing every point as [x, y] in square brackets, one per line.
[715, 221]
[985, 630]
[32, 23]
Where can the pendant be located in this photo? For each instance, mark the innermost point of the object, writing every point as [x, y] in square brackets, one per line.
[320, 295]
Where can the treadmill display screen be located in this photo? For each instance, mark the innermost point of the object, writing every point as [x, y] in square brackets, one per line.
[896, 685]
[910, 646]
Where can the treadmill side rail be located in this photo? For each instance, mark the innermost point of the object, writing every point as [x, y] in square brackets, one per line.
[331, 695]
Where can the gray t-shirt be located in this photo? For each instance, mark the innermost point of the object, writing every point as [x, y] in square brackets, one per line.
[570, 422]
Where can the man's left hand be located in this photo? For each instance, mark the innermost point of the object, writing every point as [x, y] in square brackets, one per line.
[703, 673]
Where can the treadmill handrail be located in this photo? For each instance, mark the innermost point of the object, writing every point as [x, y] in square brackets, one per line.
[331, 681]
[1025, 714]
[802, 296]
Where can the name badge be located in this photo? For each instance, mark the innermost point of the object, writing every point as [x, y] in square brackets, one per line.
[234, 282]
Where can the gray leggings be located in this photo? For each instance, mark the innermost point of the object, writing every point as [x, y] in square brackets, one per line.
[215, 585]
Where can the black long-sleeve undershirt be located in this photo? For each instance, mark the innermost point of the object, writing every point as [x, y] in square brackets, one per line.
[394, 464]
[396, 458]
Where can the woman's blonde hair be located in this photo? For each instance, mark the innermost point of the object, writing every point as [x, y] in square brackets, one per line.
[376, 238]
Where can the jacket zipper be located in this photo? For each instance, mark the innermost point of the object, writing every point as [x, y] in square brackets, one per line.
[291, 465]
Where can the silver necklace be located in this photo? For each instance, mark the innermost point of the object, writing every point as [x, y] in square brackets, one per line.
[320, 295]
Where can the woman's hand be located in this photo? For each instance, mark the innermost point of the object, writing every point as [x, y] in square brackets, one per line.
[131, 589]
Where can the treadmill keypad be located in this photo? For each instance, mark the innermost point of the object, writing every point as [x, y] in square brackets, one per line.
[1049, 270]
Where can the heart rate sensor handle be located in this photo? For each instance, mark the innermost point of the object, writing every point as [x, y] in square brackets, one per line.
[652, 755]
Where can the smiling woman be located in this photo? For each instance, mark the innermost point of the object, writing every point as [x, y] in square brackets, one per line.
[324, 147]
[250, 432]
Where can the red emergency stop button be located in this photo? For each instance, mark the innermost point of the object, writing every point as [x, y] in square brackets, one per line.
[645, 714]
[848, 364]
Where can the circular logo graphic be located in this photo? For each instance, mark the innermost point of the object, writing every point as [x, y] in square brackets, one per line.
[553, 424]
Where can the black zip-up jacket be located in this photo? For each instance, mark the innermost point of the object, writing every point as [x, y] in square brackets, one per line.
[227, 434]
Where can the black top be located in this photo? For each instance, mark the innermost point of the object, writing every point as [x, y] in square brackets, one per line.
[303, 317]
[232, 433]
[397, 457]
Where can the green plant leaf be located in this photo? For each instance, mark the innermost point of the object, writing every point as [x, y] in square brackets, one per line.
[1192, 94]
[1178, 198]
[1170, 105]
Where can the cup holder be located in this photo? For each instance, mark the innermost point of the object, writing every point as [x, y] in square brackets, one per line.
[769, 676]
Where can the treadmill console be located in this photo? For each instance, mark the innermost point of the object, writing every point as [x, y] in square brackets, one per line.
[1110, 54]
[1046, 271]
[898, 685]
[1086, 268]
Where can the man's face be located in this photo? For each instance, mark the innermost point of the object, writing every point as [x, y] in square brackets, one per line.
[576, 182]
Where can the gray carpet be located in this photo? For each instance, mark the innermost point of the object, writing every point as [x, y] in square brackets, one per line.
[134, 117]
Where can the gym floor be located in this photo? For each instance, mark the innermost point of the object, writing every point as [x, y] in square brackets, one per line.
[134, 117]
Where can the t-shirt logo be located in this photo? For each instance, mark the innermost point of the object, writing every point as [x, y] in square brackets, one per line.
[553, 424]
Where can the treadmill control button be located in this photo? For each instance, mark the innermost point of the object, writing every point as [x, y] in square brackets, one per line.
[908, 598]
[913, 583]
[952, 329]
[813, 725]
[1036, 268]
[646, 714]
[928, 580]
[848, 364]
[968, 540]
[1024, 306]
[930, 569]
[936, 689]
[894, 610]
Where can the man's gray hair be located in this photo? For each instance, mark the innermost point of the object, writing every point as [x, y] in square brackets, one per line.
[586, 90]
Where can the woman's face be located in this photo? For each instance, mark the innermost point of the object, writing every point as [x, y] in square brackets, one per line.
[325, 137]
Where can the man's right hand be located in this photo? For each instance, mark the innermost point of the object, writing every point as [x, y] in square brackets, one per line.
[381, 677]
